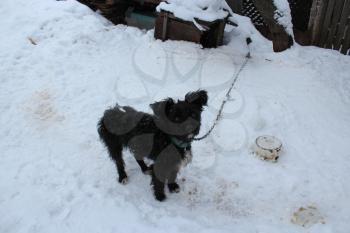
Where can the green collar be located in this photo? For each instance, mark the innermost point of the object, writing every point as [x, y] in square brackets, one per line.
[179, 143]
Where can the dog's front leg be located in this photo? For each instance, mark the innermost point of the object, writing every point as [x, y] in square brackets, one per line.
[158, 187]
[172, 185]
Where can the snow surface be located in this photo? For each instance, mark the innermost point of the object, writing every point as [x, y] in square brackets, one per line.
[55, 175]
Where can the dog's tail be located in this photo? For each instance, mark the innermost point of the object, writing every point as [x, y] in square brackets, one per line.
[108, 122]
[102, 130]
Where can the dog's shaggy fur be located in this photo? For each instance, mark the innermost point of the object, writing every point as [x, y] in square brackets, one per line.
[164, 137]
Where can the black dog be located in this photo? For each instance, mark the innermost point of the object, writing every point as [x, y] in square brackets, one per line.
[164, 137]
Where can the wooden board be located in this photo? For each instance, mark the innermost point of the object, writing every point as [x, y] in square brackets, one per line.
[326, 23]
[339, 5]
[346, 42]
[343, 24]
[178, 30]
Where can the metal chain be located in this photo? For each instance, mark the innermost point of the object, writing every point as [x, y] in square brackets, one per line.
[227, 97]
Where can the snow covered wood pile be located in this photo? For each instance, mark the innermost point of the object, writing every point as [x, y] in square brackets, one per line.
[199, 21]
[113, 10]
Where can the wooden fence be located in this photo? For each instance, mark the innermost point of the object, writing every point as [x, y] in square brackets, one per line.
[330, 24]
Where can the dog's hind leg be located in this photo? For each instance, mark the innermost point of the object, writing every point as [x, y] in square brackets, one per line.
[118, 158]
[115, 149]
[115, 152]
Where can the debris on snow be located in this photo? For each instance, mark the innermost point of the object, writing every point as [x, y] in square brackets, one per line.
[307, 216]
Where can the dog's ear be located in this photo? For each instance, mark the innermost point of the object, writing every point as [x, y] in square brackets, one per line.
[199, 98]
[161, 108]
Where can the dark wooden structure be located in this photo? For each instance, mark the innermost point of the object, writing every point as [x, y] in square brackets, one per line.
[169, 27]
[330, 24]
[324, 23]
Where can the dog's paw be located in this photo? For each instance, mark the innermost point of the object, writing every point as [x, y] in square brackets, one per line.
[123, 180]
[160, 196]
[174, 188]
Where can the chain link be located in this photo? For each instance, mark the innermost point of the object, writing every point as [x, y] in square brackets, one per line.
[227, 97]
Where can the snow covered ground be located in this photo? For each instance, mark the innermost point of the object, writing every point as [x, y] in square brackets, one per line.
[55, 175]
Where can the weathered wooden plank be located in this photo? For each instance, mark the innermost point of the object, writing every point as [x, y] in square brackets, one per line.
[339, 5]
[326, 23]
[319, 20]
[165, 27]
[342, 25]
[220, 33]
[179, 30]
[314, 21]
[346, 43]
[159, 25]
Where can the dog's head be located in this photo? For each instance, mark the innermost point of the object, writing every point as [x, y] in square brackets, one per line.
[181, 119]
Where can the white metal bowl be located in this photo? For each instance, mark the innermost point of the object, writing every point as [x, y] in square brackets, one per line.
[268, 148]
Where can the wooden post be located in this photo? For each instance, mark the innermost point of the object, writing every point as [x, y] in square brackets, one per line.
[280, 38]
[220, 32]
[343, 24]
[346, 42]
[165, 26]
